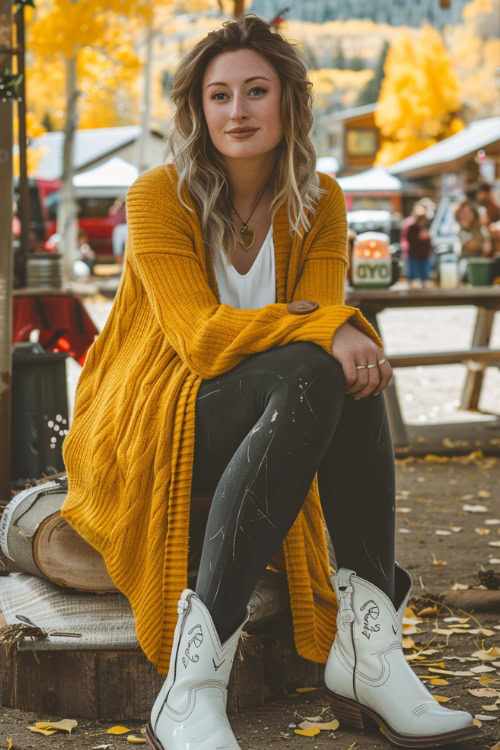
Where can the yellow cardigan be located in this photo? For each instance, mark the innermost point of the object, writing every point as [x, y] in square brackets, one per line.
[129, 450]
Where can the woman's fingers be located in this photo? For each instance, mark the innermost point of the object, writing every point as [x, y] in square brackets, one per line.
[385, 377]
[368, 383]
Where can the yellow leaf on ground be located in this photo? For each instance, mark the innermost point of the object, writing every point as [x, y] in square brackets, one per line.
[322, 726]
[439, 681]
[441, 671]
[117, 729]
[443, 631]
[485, 680]
[136, 740]
[490, 655]
[408, 643]
[414, 657]
[46, 732]
[304, 690]
[428, 611]
[476, 723]
[65, 724]
[441, 698]
[307, 732]
[491, 707]
[483, 692]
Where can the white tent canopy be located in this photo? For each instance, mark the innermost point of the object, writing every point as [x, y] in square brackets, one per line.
[112, 177]
[327, 165]
[373, 180]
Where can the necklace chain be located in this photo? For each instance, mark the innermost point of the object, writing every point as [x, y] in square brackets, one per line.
[247, 233]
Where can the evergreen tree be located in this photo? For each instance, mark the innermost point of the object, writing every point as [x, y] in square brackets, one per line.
[371, 90]
[339, 61]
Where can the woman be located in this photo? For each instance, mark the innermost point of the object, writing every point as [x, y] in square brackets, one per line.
[474, 237]
[224, 366]
[419, 249]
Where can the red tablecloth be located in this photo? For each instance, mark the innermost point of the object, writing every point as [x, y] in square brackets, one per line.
[63, 322]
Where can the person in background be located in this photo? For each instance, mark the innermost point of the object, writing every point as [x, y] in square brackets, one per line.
[489, 213]
[474, 237]
[419, 249]
[117, 212]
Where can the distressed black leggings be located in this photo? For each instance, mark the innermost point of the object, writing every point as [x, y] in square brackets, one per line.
[262, 431]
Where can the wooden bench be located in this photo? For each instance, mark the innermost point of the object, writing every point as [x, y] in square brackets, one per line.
[476, 359]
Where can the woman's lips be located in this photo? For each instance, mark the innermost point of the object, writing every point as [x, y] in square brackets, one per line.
[241, 135]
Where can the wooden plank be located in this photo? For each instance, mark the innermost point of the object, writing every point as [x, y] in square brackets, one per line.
[246, 683]
[60, 683]
[397, 425]
[471, 391]
[127, 685]
[478, 354]
[379, 299]
[285, 670]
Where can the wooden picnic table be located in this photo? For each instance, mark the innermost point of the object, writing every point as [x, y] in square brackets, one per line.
[486, 299]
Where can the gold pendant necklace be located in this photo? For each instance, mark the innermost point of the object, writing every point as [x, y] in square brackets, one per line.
[247, 234]
[247, 237]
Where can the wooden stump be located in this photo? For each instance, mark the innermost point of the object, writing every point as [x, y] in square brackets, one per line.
[106, 685]
[122, 685]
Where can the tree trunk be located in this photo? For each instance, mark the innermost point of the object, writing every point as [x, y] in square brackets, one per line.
[239, 8]
[67, 226]
[6, 255]
[144, 160]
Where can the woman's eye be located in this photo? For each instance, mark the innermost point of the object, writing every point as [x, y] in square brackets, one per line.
[217, 95]
[258, 89]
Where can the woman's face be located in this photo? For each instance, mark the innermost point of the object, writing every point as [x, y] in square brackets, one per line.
[241, 102]
[466, 216]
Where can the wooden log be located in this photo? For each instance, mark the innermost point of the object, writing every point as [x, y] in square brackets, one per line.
[473, 600]
[35, 539]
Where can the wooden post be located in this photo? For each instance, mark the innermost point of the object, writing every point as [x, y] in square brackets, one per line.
[6, 176]
[24, 195]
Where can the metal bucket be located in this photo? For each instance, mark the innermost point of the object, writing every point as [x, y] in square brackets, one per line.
[44, 271]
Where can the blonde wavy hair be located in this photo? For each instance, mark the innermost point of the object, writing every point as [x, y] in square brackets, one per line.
[199, 164]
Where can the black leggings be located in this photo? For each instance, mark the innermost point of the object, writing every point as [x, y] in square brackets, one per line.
[262, 431]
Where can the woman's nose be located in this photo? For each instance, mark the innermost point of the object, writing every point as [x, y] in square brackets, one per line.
[239, 107]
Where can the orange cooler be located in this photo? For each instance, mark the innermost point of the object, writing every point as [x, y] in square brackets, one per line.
[371, 261]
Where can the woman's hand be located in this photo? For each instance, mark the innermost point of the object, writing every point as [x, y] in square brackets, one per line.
[351, 348]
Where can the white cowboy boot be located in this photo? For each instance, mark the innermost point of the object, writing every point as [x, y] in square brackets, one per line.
[367, 678]
[189, 712]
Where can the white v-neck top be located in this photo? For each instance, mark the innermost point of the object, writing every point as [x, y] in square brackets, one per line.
[251, 290]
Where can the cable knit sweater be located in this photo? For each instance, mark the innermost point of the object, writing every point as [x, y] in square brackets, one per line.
[129, 450]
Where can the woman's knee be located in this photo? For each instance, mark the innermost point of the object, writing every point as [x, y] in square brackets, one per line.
[309, 360]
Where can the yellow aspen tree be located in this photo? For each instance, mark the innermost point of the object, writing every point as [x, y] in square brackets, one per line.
[420, 96]
[61, 30]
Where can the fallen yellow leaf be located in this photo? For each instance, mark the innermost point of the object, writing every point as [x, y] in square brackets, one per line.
[46, 732]
[136, 740]
[428, 611]
[304, 690]
[441, 698]
[476, 723]
[491, 707]
[439, 681]
[441, 671]
[408, 643]
[307, 732]
[490, 655]
[443, 631]
[328, 725]
[65, 724]
[117, 729]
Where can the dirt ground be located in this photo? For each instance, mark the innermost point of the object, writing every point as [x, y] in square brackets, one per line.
[431, 496]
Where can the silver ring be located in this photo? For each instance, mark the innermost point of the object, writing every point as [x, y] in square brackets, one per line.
[381, 361]
[371, 366]
[361, 367]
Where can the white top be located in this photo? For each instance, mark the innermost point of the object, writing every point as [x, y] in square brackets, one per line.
[251, 290]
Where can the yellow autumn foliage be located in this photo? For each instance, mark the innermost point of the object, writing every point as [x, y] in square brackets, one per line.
[419, 98]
